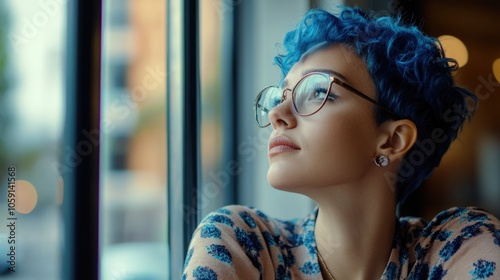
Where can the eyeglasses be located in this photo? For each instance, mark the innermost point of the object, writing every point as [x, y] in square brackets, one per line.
[308, 96]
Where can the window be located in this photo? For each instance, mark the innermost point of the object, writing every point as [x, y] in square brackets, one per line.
[127, 121]
[32, 44]
[133, 200]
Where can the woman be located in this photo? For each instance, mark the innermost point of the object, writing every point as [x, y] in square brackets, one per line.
[365, 111]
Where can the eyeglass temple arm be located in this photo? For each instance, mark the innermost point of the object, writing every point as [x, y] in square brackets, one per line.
[362, 95]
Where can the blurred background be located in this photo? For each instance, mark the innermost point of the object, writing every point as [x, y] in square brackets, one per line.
[237, 44]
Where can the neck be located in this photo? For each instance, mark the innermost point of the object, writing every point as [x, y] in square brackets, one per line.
[355, 223]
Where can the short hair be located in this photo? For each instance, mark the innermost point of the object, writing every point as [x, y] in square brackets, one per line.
[412, 76]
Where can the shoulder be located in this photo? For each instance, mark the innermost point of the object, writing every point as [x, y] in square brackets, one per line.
[458, 242]
[236, 216]
[225, 243]
[240, 242]
[463, 215]
[240, 221]
[465, 224]
[468, 221]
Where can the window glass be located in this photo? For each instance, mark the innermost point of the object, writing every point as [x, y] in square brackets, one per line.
[32, 44]
[133, 216]
[262, 26]
[214, 185]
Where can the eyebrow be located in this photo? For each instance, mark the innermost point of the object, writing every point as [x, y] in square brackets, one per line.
[329, 71]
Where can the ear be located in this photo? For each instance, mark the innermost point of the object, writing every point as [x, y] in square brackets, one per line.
[396, 138]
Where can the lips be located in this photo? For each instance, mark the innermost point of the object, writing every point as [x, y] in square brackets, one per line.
[281, 144]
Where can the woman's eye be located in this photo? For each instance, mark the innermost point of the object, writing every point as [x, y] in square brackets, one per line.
[319, 94]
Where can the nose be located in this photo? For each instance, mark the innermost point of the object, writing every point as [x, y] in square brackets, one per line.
[283, 115]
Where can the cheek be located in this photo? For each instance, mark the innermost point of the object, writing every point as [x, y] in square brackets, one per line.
[346, 145]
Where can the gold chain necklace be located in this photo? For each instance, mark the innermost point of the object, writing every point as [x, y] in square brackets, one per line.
[322, 261]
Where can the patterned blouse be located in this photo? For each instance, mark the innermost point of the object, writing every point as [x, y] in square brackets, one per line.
[237, 242]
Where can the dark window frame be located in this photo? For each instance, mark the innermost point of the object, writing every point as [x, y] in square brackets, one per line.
[81, 195]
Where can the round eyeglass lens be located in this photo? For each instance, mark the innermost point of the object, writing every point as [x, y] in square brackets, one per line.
[310, 93]
[269, 98]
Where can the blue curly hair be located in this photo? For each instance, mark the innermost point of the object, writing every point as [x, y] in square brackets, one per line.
[412, 76]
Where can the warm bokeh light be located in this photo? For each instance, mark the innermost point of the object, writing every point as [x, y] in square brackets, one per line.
[496, 69]
[26, 197]
[454, 48]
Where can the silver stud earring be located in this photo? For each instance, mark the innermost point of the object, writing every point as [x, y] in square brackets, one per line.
[381, 161]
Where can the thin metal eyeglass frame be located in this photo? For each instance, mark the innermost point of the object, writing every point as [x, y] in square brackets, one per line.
[332, 78]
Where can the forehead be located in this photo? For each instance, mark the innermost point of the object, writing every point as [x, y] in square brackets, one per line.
[337, 58]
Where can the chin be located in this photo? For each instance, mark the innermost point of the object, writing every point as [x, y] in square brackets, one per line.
[282, 182]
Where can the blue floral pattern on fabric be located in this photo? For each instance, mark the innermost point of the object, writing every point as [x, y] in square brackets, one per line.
[262, 215]
[403, 255]
[204, 273]
[483, 269]
[219, 219]
[220, 252]
[451, 248]
[210, 231]
[391, 272]
[280, 272]
[472, 230]
[269, 238]
[228, 244]
[496, 235]
[421, 271]
[250, 243]
[310, 268]
[437, 272]
[473, 216]
[224, 211]
[188, 257]
[421, 252]
[442, 235]
[248, 219]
